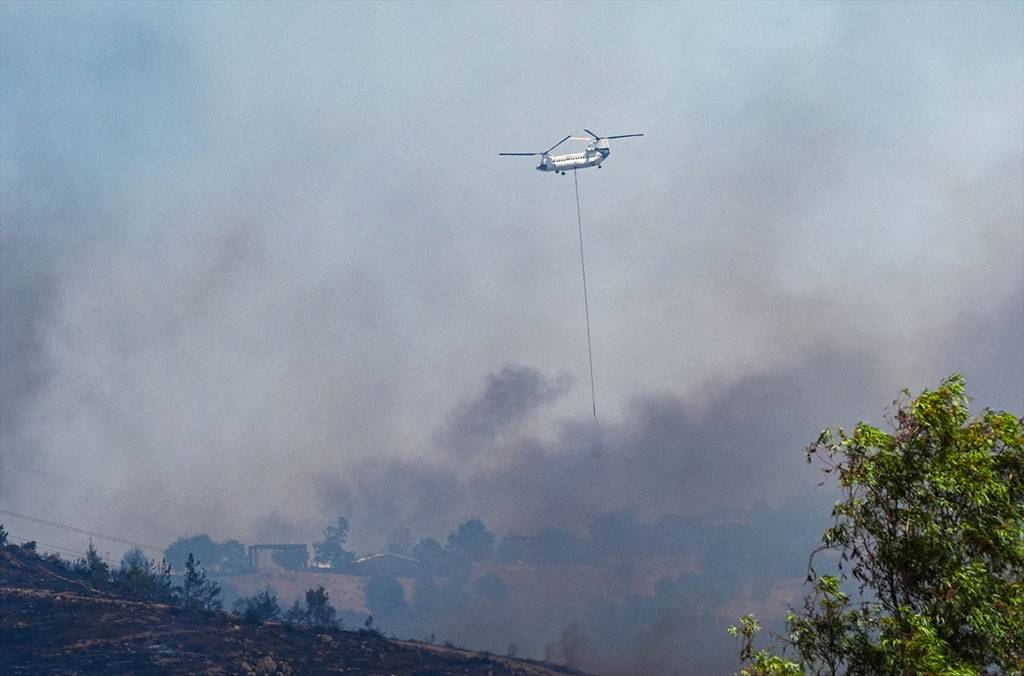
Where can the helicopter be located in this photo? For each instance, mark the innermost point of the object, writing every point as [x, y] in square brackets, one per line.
[597, 152]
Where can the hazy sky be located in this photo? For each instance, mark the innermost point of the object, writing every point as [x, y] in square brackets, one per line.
[264, 258]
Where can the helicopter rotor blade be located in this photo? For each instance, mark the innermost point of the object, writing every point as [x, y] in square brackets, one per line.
[521, 154]
[596, 137]
[556, 145]
[624, 136]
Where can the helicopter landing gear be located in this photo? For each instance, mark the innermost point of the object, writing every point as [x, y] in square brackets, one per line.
[563, 173]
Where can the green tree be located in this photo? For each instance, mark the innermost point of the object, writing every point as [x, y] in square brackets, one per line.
[93, 567]
[296, 614]
[472, 541]
[930, 531]
[142, 579]
[332, 548]
[291, 559]
[233, 558]
[197, 591]
[431, 555]
[134, 558]
[319, 611]
[226, 558]
[755, 662]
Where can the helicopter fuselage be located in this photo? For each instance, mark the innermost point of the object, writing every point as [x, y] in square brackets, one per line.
[597, 152]
[591, 157]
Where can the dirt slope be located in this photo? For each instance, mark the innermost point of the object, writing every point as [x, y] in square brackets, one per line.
[53, 622]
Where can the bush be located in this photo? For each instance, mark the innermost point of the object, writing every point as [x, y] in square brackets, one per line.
[318, 608]
[259, 608]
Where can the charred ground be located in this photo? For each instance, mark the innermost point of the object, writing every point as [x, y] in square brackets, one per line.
[53, 621]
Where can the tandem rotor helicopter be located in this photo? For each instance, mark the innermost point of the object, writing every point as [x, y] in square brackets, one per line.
[597, 152]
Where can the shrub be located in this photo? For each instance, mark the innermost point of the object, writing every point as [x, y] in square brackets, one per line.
[258, 608]
[320, 611]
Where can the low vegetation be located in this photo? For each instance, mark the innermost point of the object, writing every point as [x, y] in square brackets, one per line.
[76, 617]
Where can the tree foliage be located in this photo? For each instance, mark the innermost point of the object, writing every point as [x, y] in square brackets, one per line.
[472, 541]
[759, 662]
[431, 555]
[93, 567]
[137, 577]
[197, 591]
[930, 533]
[291, 558]
[319, 610]
[142, 579]
[296, 614]
[258, 608]
[332, 548]
[226, 558]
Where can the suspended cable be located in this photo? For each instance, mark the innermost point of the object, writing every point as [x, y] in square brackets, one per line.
[138, 496]
[586, 302]
[83, 531]
[124, 492]
[23, 540]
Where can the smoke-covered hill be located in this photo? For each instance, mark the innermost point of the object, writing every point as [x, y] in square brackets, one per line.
[53, 621]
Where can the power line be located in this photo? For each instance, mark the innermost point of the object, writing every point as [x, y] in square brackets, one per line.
[123, 492]
[48, 545]
[83, 531]
[139, 496]
[586, 303]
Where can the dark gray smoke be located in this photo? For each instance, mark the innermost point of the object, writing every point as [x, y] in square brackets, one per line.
[508, 399]
[266, 266]
[740, 448]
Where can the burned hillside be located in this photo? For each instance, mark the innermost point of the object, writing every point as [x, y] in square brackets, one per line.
[53, 620]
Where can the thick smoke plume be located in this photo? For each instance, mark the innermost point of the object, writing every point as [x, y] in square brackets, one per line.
[257, 266]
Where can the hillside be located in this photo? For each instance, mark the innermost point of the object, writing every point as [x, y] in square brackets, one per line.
[540, 601]
[52, 621]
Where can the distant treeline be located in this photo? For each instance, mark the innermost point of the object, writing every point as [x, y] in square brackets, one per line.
[611, 539]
